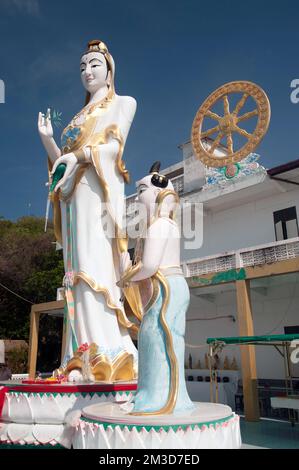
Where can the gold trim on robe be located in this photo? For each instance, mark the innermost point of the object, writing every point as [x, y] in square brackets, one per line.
[174, 369]
[88, 139]
[99, 288]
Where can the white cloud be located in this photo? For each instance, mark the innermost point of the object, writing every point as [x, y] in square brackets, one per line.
[29, 7]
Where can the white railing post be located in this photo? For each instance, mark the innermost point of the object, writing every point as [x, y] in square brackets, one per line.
[239, 260]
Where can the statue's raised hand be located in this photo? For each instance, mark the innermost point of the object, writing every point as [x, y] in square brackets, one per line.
[44, 125]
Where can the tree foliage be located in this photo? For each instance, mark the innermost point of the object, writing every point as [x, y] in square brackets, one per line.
[30, 266]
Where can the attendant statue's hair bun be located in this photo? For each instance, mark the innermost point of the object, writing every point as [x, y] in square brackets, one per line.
[160, 181]
[155, 168]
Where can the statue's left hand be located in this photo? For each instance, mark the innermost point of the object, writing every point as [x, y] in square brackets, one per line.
[70, 160]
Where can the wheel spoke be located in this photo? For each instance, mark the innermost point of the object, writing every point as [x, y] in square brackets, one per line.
[229, 140]
[213, 115]
[242, 132]
[246, 116]
[210, 132]
[215, 143]
[240, 104]
[226, 105]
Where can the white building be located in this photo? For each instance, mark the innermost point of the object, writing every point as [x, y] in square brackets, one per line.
[250, 249]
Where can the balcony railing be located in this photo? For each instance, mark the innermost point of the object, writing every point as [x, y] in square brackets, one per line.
[178, 184]
[252, 256]
[131, 204]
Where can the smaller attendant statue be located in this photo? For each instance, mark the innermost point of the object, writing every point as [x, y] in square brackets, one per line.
[161, 346]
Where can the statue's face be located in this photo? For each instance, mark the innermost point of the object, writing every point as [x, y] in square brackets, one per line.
[146, 192]
[93, 68]
[147, 195]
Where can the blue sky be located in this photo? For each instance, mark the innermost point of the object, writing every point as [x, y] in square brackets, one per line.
[170, 55]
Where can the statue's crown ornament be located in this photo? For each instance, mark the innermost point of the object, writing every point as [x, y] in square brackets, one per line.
[96, 45]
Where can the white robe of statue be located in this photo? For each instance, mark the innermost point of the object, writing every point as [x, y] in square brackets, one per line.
[89, 250]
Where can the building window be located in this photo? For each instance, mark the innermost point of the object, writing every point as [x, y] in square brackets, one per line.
[285, 223]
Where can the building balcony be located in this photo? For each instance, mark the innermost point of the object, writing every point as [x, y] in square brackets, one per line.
[246, 258]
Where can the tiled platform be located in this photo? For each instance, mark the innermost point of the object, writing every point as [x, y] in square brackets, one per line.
[267, 434]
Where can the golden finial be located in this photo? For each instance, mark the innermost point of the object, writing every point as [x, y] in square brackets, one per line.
[96, 45]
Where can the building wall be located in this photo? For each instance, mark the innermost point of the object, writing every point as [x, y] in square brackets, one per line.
[273, 308]
[242, 226]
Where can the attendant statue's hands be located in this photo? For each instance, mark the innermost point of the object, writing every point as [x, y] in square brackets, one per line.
[44, 125]
[124, 264]
[70, 160]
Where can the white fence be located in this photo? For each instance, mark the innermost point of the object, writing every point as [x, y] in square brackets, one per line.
[252, 256]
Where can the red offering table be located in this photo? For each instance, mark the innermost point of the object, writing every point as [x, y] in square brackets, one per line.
[50, 387]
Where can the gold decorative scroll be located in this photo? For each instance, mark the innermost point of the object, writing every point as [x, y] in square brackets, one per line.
[102, 368]
[99, 288]
[114, 132]
[120, 368]
[131, 292]
[56, 209]
[103, 138]
[160, 198]
[159, 279]
[154, 296]
[174, 368]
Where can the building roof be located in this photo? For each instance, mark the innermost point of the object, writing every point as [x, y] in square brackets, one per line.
[285, 167]
[287, 174]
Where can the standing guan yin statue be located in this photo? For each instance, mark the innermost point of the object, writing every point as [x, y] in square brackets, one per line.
[88, 211]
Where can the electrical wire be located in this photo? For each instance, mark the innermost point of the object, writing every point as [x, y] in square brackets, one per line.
[17, 295]
[287, 310]
[212, 318]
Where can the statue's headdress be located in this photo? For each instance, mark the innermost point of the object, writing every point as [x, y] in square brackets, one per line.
[167, 197]
[161, 181]
[96, 45]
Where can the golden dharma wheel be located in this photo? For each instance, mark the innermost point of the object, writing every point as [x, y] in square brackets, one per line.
[229, 125]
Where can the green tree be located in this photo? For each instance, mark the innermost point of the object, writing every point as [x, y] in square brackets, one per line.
[30, 266]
